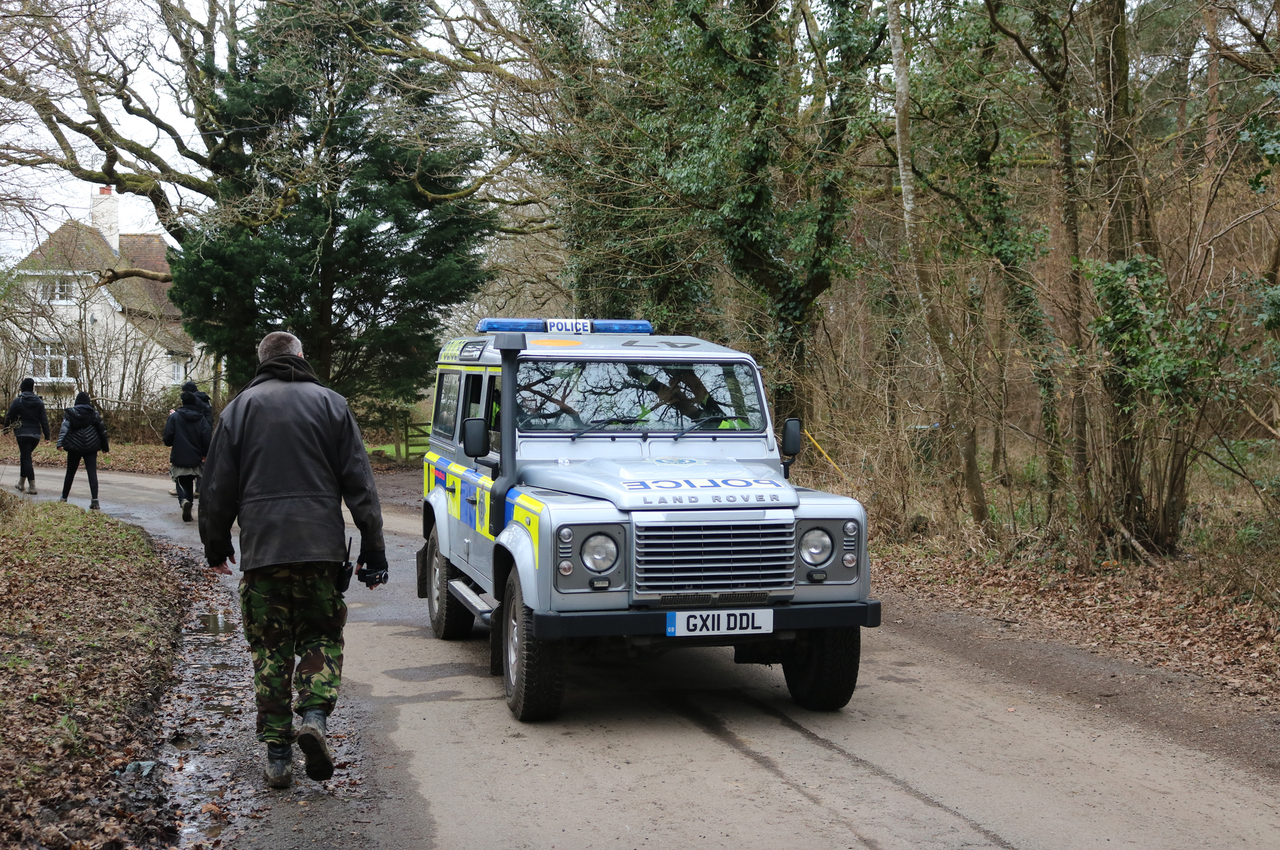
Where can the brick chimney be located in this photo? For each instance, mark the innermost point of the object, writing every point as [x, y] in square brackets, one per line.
[105, 209]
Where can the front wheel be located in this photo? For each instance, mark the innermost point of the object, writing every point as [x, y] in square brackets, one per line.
[533, 670]
[822, 668]
[450, 619]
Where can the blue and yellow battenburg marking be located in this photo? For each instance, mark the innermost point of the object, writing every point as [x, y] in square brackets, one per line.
[451, 350]
[467, 495]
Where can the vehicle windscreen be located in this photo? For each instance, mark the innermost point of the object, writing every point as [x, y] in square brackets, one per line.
[577, 396]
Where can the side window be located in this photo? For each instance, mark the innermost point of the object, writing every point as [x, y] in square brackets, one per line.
[495, 422]
[445, 421]
[473, 407]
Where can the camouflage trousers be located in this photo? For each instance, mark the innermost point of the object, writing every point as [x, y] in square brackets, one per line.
[292, 611]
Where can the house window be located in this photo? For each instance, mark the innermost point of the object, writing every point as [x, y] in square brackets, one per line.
[51, 362]
[59, 290]
[179, 372]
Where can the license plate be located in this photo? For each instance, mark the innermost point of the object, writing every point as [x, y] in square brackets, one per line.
[756, 621]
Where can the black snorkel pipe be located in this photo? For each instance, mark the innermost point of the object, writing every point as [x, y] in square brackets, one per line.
[509, 345]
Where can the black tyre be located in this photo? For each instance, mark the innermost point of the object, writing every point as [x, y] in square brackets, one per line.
[822, 668]
[450, 619]
[533, 671]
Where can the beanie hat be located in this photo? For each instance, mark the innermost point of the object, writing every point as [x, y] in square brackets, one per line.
[189, 387]
[28, 385]
[189, 399]
[82, 397]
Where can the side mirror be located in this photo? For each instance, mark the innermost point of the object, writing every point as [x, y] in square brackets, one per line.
[475, 437]
[791, 444]
[791, 437]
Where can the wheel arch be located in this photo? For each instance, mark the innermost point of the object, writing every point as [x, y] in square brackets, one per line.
[513, 550]
[434, 508]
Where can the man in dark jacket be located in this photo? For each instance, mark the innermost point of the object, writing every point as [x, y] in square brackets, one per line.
[82, 436]
[189, 433]
[286, 455]
[30, 421]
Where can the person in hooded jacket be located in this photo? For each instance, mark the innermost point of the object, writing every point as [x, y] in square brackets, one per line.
[82, 436]
[30, 421]
[202, 402]
[189, 433]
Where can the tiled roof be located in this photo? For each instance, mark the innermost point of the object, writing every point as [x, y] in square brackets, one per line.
[73, 246]
[77, 247]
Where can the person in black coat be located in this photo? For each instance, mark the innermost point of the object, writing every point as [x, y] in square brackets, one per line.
[82, 436]
[202, 402]
[30, 421]
[188, 432]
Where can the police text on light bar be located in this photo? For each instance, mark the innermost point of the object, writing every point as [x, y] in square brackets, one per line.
[565, 326]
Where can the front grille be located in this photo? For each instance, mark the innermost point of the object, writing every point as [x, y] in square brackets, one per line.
[715, 558]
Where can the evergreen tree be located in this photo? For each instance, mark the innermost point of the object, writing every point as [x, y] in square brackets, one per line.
[374, 246]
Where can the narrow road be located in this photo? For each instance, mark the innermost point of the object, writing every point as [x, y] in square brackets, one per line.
[937, 750]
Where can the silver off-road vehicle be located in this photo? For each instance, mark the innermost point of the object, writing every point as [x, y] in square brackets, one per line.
[589, 481]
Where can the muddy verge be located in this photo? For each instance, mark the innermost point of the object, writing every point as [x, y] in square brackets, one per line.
[210, 762]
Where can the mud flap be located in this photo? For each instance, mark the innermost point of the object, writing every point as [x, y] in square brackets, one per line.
[495, 641]
[424, 573]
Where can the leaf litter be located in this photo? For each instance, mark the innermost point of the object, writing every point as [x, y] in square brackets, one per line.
[126, 691]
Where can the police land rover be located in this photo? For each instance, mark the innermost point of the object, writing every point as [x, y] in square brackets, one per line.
[589, 481]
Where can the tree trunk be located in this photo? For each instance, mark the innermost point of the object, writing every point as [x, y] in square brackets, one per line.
[941, 334]
[1077, 374]
[1124, 481]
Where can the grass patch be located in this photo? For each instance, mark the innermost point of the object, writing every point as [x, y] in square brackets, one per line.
[146, 458]
[87, 636]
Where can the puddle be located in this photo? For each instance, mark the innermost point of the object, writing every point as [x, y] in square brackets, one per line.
[215, 623]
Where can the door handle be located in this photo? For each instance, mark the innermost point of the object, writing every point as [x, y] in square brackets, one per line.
[451, 489]
[471, 500]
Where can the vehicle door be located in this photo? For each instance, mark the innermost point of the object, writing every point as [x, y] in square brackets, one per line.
[474, 538]
[442, 470]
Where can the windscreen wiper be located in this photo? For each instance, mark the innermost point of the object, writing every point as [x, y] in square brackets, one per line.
[612, 420]
[699, 422]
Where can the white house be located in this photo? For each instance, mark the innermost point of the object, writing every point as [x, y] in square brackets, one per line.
[122, 342]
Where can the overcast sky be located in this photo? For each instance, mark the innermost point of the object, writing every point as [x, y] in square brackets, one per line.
[69, 199]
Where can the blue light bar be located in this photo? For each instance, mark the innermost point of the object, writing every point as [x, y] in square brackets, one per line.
[568, 326]
[622, 326]
[529, 326]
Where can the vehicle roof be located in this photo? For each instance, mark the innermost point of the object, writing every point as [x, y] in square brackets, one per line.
[590, 346]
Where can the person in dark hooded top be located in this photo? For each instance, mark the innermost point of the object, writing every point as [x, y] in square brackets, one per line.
[82, 436]
[202, 402]
[188, 432]
[30, 421]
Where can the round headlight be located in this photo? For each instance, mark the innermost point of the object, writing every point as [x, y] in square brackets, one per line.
[566, 534]
[599, 553]
[850, 529]
[815, 547]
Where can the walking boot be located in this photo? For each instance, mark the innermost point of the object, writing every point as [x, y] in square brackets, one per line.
[279, 770]
[22, 485]
[93, 505]
[186, 511]
[31, 486]
[312, 743]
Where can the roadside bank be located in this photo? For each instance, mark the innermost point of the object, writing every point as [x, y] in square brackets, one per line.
[88, 636]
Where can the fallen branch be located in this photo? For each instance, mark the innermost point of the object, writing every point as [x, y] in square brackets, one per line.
[1260, 421]
[1137, 547]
